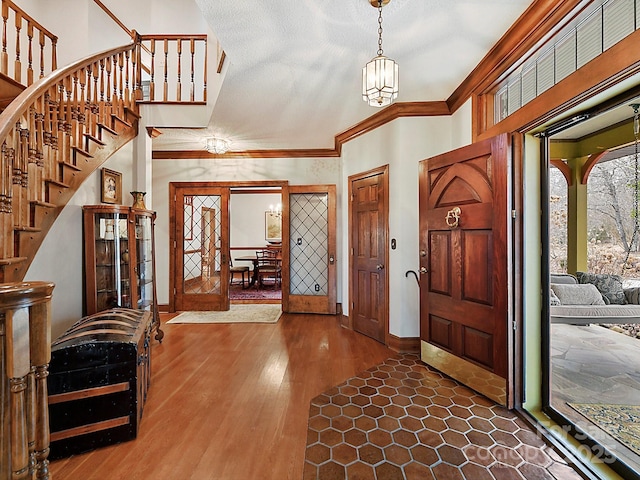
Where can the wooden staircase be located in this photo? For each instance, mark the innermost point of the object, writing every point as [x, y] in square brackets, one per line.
[53, 136]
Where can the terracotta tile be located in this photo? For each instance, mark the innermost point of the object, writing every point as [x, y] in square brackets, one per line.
[457, 424]
[348, 390]
[340, 399]
[365, 423]
[397, 454]
[417, 411]
[481, 411]
[461, 400]
[505, 425]
[394, 411]
[389, 472]
[426, 391]
[381, 375]
[424, 455]
[481, 424]
[479, 455]
[360, 471]
[380, 438]
[342, 423]
[355, 438]
[320, 400]
[314, 410]
[352, 411]
[407, 439]
[319, 423]
[331, 471]
[370, 454]
[534, 472]
[506, 455]
[356, 382]
[312, 436]
[430, 438]
[504, 438]
[360, 400]
[387, 391]
[435, 424]
[411, 424]
[563, 472]
[442, 401]
[479, 438]
[388, 424]
[455, 439]
[438, 411]
[367, 390]
[344, 454]
[534, 455]
[476, 472]
[401, 400]
[310, 471]
[318, 454]
[380, 400]
[375, 382]
[458, 411]
[451, 455]
[530, 438]
[330, 411]
[444, 471]
[505, 472]
[330, 437]
[417, 471]
[372, 411]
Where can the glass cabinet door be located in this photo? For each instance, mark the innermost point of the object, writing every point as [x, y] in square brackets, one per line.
[144, 261]
[113, 283]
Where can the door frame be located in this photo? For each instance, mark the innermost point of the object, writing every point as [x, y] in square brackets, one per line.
[384, 171]
[173, 186]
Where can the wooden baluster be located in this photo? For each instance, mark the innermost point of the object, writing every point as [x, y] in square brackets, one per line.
[18, 366]
[6, 226]
[40, 353]
[204, 84]
[152, 83]
[117, 86]
[192, 87]
[38, 184]
[17, 74]
[42, 42]
[82, 109]
[23, 211]
[101, 104]
[4, 60]
[127, 91]
[54, 55]
[166, 61]
[95, 105]
[32, 159]
[108, 103]
[179, 85]
[30, 53]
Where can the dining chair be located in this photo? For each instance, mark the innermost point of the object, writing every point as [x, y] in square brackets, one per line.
[241, 270]
[269, 268]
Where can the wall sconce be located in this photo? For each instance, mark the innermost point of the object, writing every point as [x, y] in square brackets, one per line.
[276, 211]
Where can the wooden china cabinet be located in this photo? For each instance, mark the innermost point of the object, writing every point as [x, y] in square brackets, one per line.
[119, 260]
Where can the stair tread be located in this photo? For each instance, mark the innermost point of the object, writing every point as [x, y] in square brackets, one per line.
[27, 229]
[107, 128]
[12, 260]
[70, 165]
[40, 203]
[121, 120]
[94, 139]
[56, 182]
[82, 151]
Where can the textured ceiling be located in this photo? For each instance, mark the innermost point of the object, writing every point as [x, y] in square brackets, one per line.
[294, 66]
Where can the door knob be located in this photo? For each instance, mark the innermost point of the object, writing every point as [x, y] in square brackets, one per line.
[423, 270]
[379, 266]
[423, 253]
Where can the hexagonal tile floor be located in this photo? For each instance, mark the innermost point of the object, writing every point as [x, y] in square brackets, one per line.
[404, 420]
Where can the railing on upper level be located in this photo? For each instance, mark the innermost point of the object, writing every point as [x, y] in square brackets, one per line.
[13, 45]
[175, 68]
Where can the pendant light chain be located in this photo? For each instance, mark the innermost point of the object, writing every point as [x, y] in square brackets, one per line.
[379, 28]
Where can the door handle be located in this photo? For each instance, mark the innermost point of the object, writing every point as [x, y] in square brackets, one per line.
[380, 266]
[423, 270]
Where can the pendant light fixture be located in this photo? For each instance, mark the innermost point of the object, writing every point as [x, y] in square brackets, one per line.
[380, 75]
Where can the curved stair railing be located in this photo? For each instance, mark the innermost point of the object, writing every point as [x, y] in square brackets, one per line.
[52, 136]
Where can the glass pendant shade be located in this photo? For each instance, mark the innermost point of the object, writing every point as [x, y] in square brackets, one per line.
[380, 81]
[217, 145]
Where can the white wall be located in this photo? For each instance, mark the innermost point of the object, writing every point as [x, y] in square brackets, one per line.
[246, 220]
[60, 258]
[401, 144]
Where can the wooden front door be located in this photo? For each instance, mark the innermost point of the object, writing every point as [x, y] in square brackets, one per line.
[464, 261]
[369, 230]
[199, 247]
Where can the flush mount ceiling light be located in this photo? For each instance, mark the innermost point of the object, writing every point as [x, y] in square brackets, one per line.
[380, 75]
[217, 145]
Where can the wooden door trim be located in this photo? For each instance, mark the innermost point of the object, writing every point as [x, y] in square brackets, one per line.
[384, 171]
[175, 186]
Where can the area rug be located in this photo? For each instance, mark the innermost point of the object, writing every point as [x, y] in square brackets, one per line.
[620, 421]
[236, 292]
[240, 313]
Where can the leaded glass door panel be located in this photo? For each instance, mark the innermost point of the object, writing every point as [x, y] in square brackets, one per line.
[201, 248]
[310, 279]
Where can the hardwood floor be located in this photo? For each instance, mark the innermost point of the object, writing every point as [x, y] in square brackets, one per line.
[231, 401]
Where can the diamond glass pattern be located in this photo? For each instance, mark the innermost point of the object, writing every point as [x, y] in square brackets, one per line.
[308, 244]
[201, 256]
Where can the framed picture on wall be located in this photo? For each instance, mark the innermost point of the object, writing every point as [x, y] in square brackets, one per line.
[273, 227]
[111, 186]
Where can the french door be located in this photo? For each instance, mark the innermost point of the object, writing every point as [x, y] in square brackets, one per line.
[464, 261]
[309, 282]
[199, 244]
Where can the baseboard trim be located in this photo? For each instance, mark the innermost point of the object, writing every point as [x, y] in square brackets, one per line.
[163, 307]
[345, 321]
[403, 344]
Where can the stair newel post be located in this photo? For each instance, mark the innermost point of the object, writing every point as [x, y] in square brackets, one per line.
[4, 57]
[17, 74]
